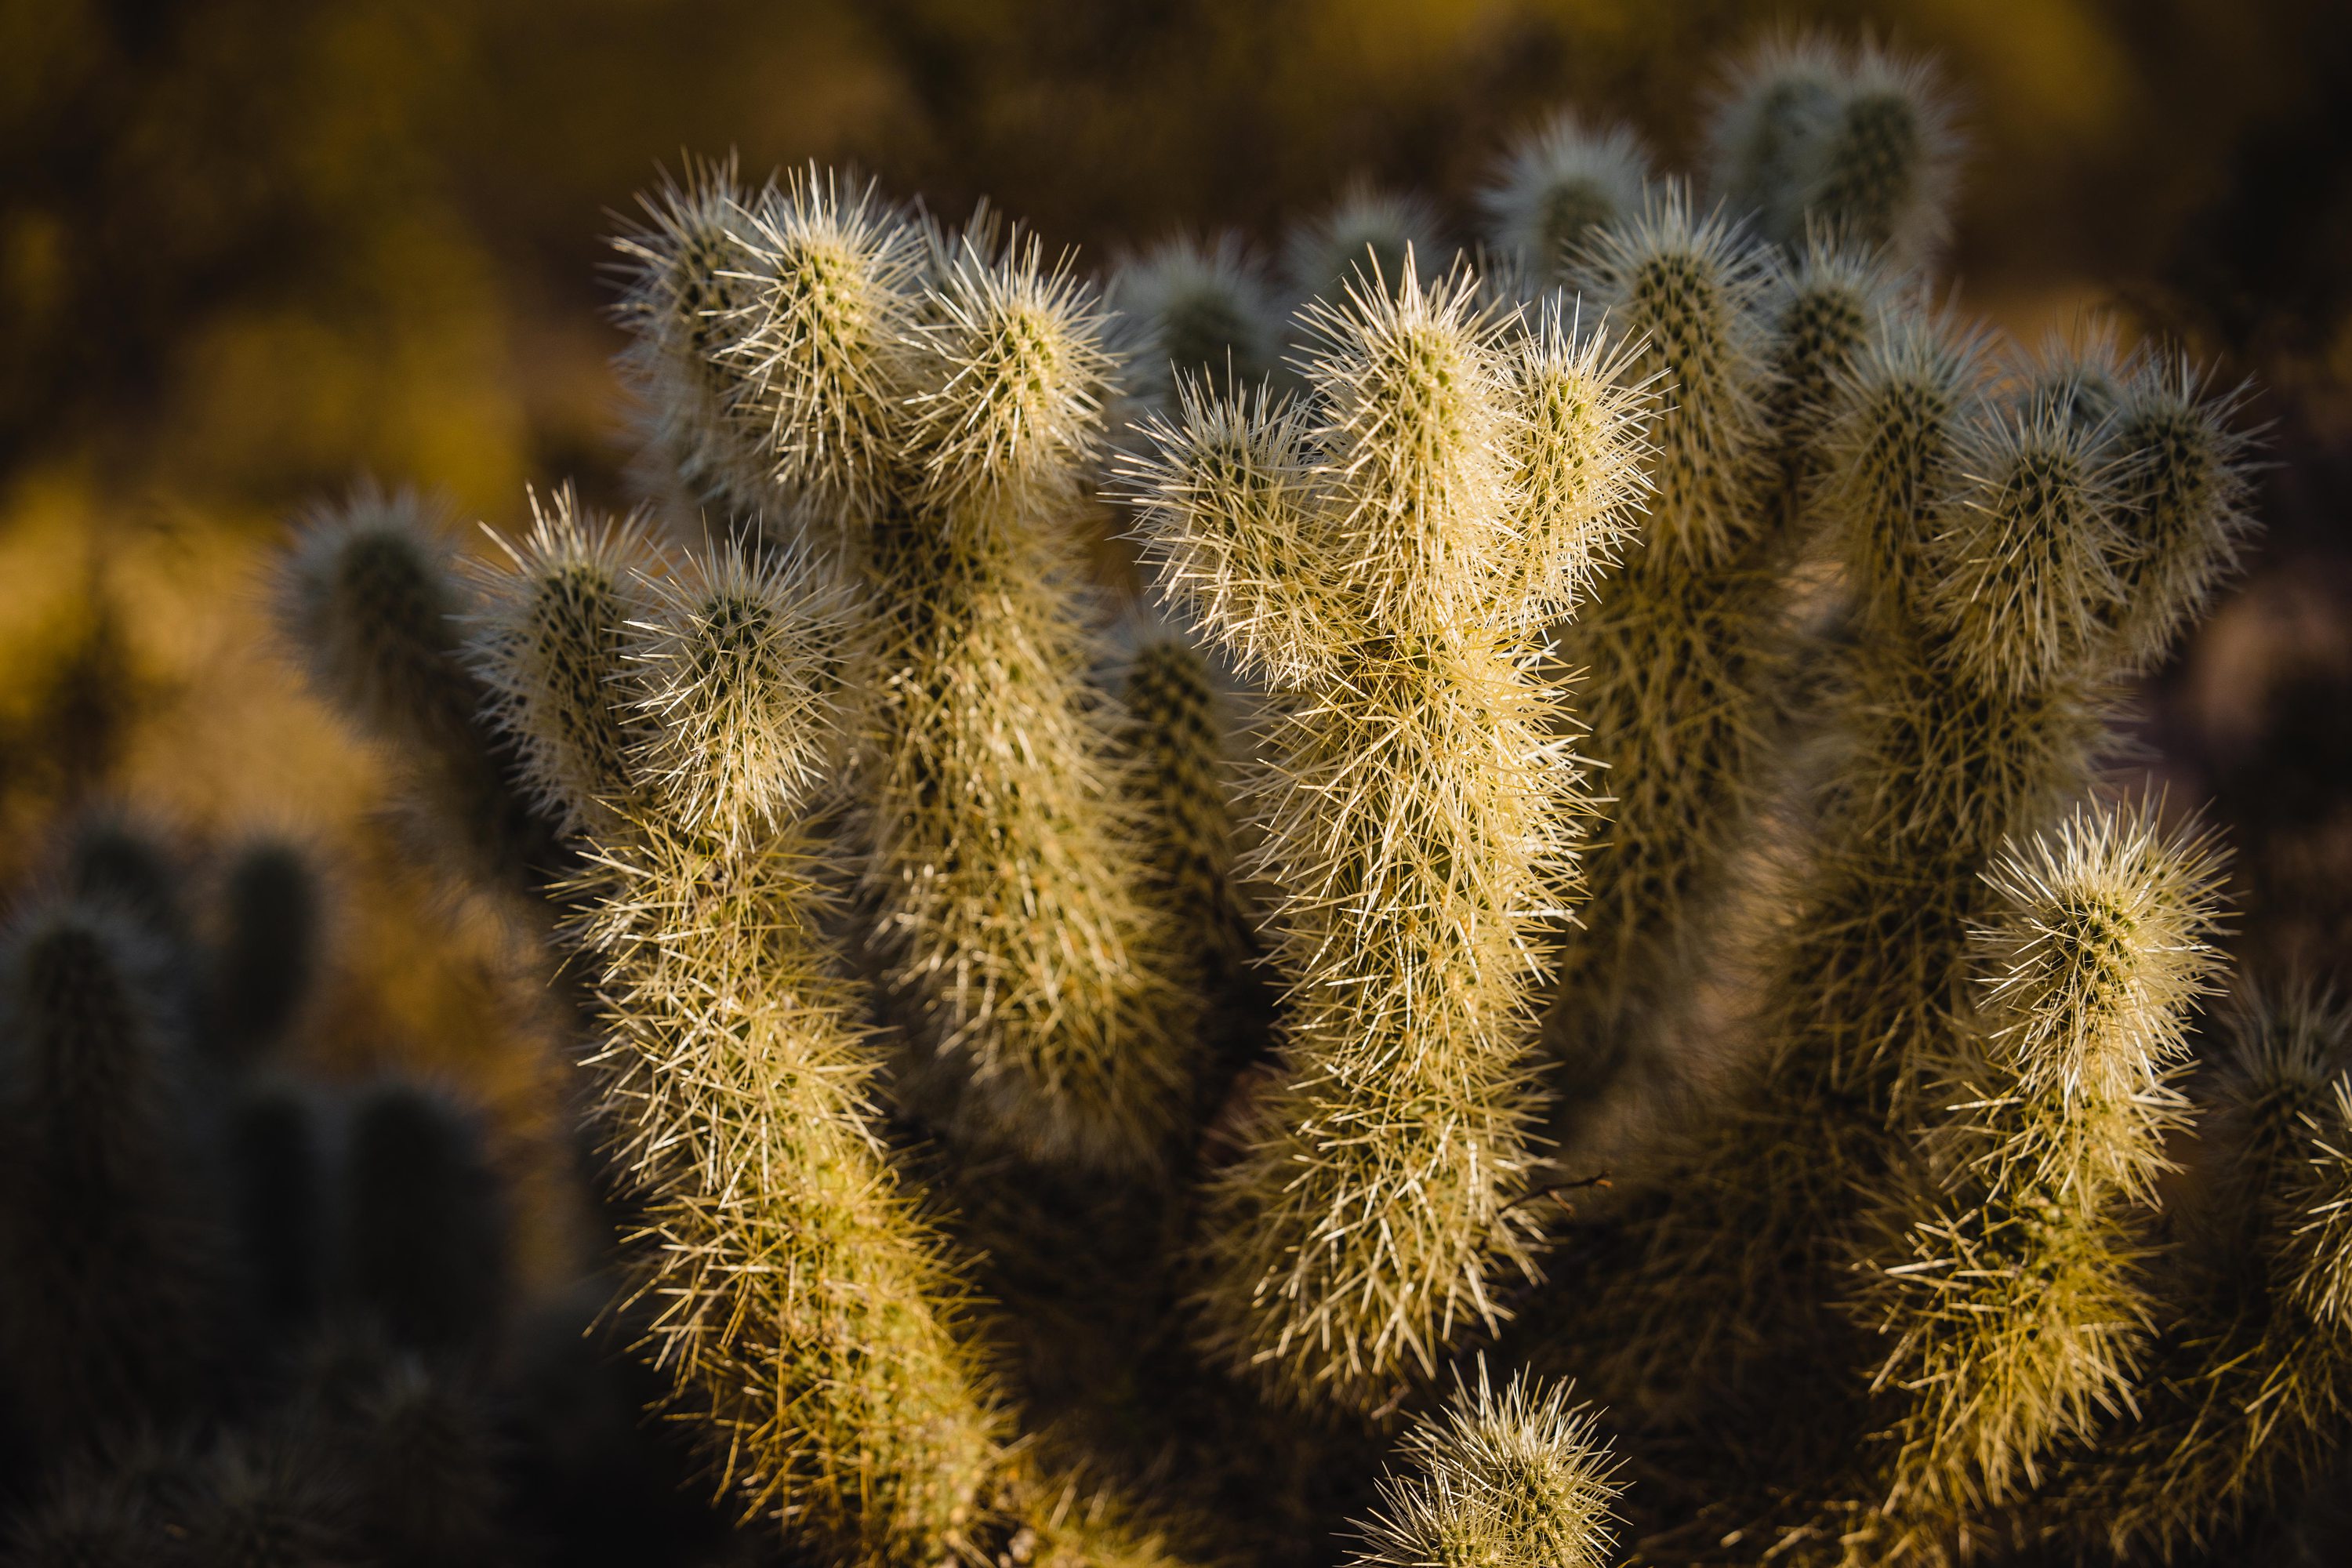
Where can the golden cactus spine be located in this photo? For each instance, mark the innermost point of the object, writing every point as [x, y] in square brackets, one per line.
[2247, 1399]
[1384, 555]
[2011, 1289]
[927, 406]
[1508, 1480]
[1672, 656]
[805, 1314]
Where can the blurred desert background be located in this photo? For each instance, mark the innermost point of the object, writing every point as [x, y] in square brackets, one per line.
[250, 251]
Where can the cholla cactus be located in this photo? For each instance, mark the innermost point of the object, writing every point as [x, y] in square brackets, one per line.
[1198, 310]
[929, 403]
[1178, 737]
[1561, 187]
[1859, 142]
[812, 1321]
[2013, 1296]
[372, 605]
[1676, 655]
[1521, 1480]
[681, 303]
[1384, 554]
[1899, 1293]
[1364, 241]
[1984, 532]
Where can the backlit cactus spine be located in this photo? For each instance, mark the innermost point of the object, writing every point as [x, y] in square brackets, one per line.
[1385, 556]
[807, 1314]
[2013, 1296]
[1507, 1480]
[1671, 656]
[2247, 1399]
[813, 1323]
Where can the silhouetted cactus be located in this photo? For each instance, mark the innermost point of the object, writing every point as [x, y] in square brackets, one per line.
[278, 1185]
[269, 951]
[113, 1255]
[423, 1231]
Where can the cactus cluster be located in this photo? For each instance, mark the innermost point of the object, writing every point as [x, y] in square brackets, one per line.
[249, 1317]
[1645, 696]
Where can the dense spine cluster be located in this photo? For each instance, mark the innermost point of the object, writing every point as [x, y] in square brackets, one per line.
[1674, 657]
[926, 404]
[2012, 1295]
[1382, 554]
[810, 1318]
[1518, 1480]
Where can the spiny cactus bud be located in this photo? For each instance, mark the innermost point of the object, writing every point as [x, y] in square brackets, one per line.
[1684, 289]
[1860, 143]
[1232, 488]
[548, 645]
[1875, 166]
[734, 660]
[1518, 1480]
[1418, 808]
[1010, 375]
[831, 273]
[1576, 460]
[2095, 950]
[2183, 500]
[2028, 582]
[267, 961]
[1195, 310]
[423, 1229]
[1406, 387]
[1771, 107]
[110, 1246]
[1558, 186]
[1363, 243]
[369, 600]
[688, 302]
[1893, 454]
[2017, 1309]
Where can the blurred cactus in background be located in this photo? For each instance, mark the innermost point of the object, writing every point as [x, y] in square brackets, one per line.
[1142, 882]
